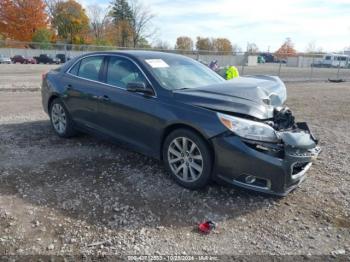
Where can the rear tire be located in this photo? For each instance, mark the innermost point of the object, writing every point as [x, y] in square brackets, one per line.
[188, 159]
[61, 121]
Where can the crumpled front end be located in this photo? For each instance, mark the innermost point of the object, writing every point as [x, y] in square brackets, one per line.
[275, 168]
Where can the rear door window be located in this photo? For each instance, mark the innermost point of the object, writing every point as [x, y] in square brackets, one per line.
[90, 67]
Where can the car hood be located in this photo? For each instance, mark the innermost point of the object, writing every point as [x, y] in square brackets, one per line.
[255, 96]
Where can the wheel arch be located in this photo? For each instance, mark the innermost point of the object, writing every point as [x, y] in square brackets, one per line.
[176, 126]
[50, 100]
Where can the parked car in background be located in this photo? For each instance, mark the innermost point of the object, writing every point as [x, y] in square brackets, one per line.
[261, 59]
[269, 58]
[4, 59]
[63, 58]
[47, 59]
[281, 60]
[175, 109]
[23, 60]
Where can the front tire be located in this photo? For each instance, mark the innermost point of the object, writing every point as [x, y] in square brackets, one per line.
[61, 122]
[187, 158]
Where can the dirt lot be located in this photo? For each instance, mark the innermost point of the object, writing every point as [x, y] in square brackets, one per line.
[87, 196]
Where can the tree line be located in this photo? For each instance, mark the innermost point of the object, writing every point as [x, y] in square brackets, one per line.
[206, 44]
[123, 23]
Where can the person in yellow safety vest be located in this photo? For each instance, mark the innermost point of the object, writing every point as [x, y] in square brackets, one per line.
[232, 72]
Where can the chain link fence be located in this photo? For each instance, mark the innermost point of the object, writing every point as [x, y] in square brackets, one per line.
[303, 67]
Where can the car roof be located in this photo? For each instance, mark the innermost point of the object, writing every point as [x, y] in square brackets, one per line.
[140, 54]
[133, 54]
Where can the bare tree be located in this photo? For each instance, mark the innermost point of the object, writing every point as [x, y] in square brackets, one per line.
[51, 7]
[141, 23]
[311, 48]
[236, 48]
[161, 45]
[252, 48]
[98, 18]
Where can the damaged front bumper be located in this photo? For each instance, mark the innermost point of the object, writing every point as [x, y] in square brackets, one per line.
[266, 167]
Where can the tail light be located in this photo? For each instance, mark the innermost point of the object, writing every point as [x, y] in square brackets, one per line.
[43, 76]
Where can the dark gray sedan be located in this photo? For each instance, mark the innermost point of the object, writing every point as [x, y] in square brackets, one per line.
[175, 109]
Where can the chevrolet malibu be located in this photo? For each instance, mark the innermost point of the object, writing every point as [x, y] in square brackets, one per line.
[175, 109]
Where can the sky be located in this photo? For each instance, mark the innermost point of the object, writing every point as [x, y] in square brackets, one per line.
[267, 23]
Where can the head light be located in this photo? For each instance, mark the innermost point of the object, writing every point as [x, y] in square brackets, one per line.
[249, 129]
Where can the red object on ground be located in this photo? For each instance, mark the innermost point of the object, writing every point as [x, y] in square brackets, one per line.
[206, 227]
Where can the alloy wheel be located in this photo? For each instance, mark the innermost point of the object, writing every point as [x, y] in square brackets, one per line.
[185, 159]
[59, 118]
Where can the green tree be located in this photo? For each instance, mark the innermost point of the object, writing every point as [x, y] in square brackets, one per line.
[121, 11]
[71, 21]
[143, 43]
[101, 42]
[42, 36]
[161, 45]
[123, 18]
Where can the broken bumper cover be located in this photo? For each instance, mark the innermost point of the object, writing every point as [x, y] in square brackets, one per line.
[268, 168]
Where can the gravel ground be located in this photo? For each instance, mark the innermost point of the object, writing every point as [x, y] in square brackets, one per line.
[87, 196]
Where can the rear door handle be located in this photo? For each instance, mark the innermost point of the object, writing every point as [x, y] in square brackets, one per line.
[69, 87]
[105, 98]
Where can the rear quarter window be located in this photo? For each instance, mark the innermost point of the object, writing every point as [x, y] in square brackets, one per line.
[75, 69]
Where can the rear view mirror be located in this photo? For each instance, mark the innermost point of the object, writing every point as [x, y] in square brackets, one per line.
[139, 87]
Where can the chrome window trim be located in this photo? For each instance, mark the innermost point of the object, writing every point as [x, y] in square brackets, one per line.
[106, 84]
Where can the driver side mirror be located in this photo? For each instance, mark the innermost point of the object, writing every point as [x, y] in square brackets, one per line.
[139, 87]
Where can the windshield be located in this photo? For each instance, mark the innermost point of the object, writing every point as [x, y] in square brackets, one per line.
[181, 73]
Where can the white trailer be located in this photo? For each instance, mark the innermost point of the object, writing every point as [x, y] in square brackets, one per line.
[335, 60]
